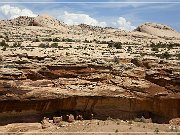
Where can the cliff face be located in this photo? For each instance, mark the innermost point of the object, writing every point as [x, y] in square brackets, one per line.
[160, 109]
[53, 68]
[123, 90]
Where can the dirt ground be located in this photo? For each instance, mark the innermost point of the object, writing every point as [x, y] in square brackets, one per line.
[92, 127]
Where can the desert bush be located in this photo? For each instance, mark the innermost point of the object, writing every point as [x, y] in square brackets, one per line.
[87, 41]
[42, 45]
[1, 58]
[156, 130]
[68, 40]
[129, 49]
[164, 45]
[101, 42]
[7, 39]
[49, 39]
[156, 49]
[16, 44]
[54, 45]
[36, 40]
[3, 49]
[165, 55]
[178, 56]
[116, 130]
[3, 43]
[56, 40]
[117, 45]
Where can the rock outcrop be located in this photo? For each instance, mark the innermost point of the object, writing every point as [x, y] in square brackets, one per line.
[52, 69]
[119, 90]
[40, 20]
[159, 30]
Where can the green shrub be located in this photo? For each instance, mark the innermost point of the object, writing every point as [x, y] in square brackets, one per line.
[7, 39]
[56, 40]
[116, 130]
[166, 55]
[156, 49]
[36, 40]
[54, 45]
[49, 39]
[129, 49]
[117, 45]
[68, 40]
[3, 43]
[16, 44]
[1, 58]
[110, 45]
[87, 41]
[164, 45]
[101, 42]
[178, 56]
[42, 45]
[3, 49]
[156, 130]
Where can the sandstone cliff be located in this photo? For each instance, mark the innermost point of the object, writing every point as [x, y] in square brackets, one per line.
[47, 67]
[158, 30]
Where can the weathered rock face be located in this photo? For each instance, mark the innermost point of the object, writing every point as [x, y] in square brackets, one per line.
[103, 107]
[19, 21]
[123, 90]
[158, 30]
[46, 21]
[80, 68]
[41, 20]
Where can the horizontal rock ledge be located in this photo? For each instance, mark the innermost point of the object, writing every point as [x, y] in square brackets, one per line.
[161, 110]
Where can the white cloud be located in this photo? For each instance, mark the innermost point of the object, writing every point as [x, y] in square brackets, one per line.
[75, 19]
[124, 24]
[13, 12]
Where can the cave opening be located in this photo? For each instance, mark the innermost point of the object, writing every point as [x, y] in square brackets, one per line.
[155, 118]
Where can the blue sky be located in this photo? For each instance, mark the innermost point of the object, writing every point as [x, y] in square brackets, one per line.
[126, 15]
